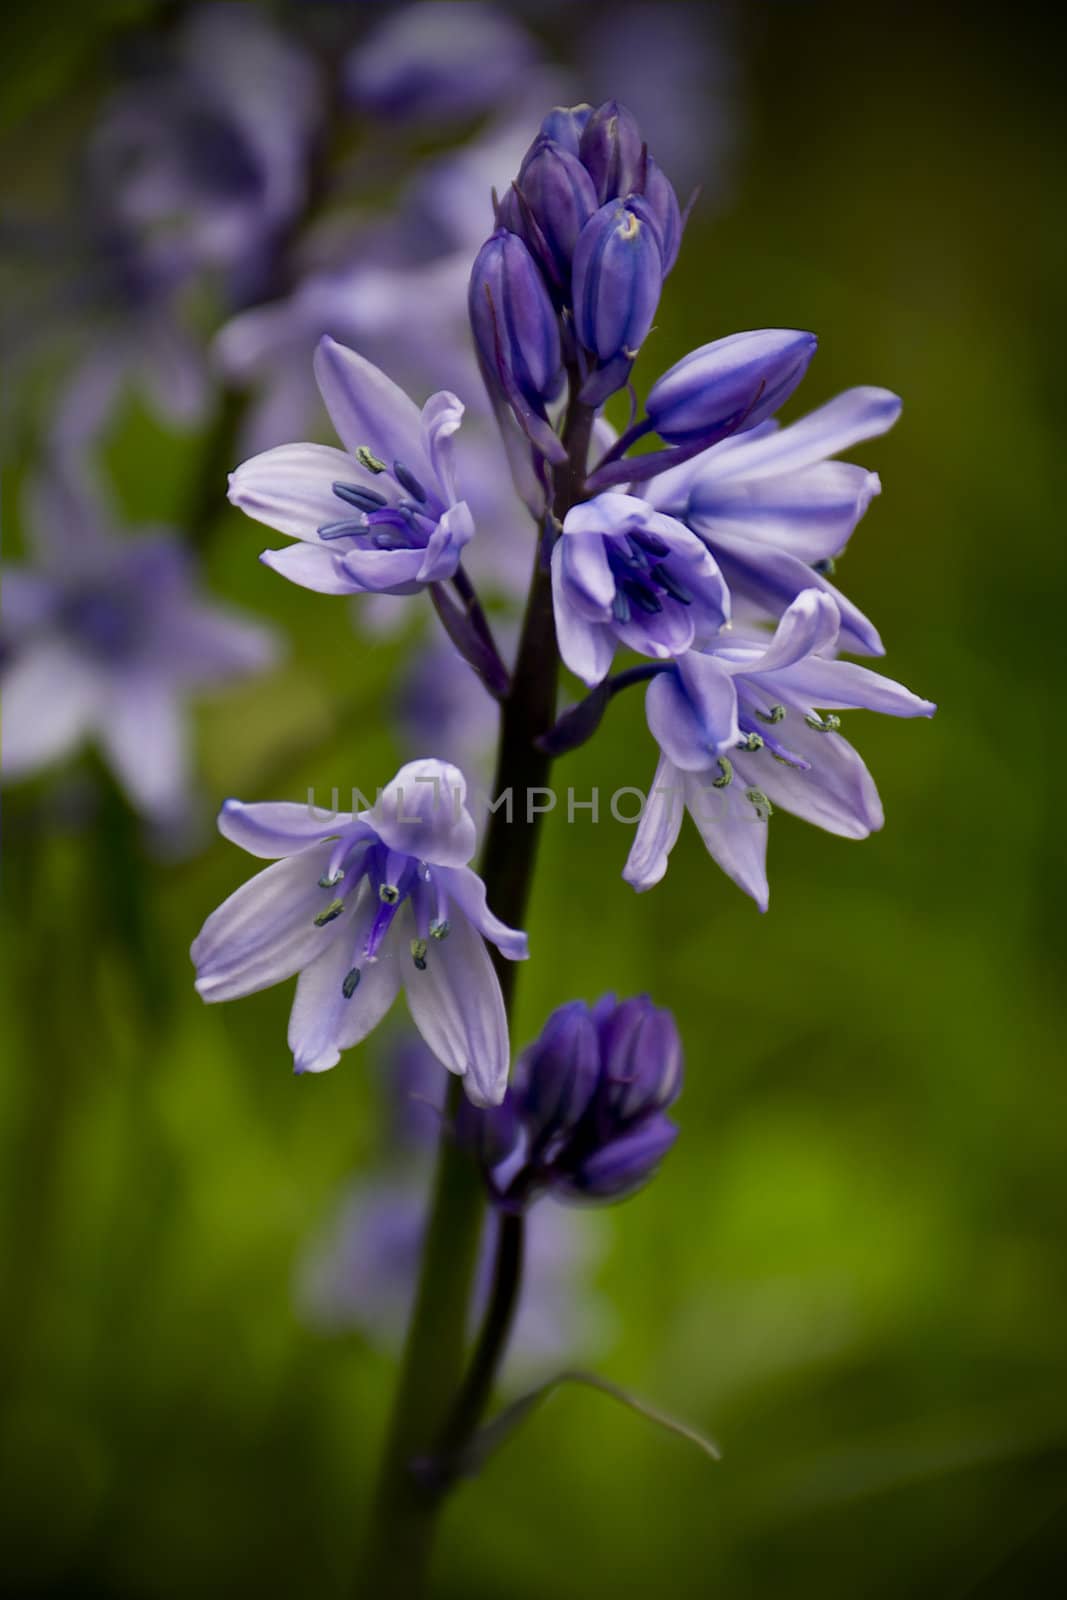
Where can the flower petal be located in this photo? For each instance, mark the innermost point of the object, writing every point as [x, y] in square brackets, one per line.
[586, 647]
[266, 930]
[143, 732]
[733, 831]
[368, 409]
[811, 513]
[585, 568]
[658, 829]
[809, 624]
[441, 418]
[51, 701]
[446, 544]
[466, 889]
[844, 685]
[324, 1021]
[856, 414]
[291, 487]
[770, 580]
[423, 813]
[836, 794]
[458, 1008]
[271, 829]
[708, 724]
[312, 567]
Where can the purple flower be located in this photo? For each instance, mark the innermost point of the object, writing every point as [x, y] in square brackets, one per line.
[771, 506]
[358, 903]
[740, 735]
[105, 637]
[623, 573]
[584, 1117]
[438, 62]
[360, 1273]
[380, 516]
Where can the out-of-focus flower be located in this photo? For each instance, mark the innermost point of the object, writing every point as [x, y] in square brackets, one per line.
[357, 904]
[438, 702]
[623, 573]
[437, 62]
[774, 510]
[105, 637]
[380, 516]
[585, 1115]
[208, 152]
[740, 735]
[359, 1275]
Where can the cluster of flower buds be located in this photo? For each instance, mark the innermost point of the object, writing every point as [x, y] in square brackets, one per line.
[584, 1115]
[572, 275]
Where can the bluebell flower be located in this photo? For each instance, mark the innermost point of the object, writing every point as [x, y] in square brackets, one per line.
[359, 904]
[585, 1115]
[381, 516]
[105, 637]
[750, 725]
[775, 510]
[623, 573]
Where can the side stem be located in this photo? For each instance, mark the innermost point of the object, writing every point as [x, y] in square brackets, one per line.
[404, 1510]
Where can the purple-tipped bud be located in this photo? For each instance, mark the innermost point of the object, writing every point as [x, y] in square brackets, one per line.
[662, 202]
[616, 1169]
[642, 1059]
[612, 151]
[566, 124]
[728, 385]
[561, 198]
[513, 320]
[560, 1072]
[618, 275]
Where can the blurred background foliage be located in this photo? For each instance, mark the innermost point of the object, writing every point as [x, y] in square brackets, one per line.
[851, 1270]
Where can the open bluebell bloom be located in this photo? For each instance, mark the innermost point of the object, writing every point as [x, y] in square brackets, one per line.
[623, 573]
[105, 637]
[381, 516]
[775, 510]
[585, 1115]
[359, 904]
[741, 732]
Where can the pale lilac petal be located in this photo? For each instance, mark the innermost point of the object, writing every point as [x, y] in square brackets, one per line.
[810, 624]
[51, 700]
[28, 600]
[266, 930]
[312, 567]
[837, 793]
[441, 418]
[861, 413]
[658, 829]
[173, 370]
[445, 547]
[144, 736]
[811, 513]
[291, 487]
[423, 812]
[457, 1006]
[323, 1021]
[771, 580]
[584, 563]
[206, 645]
[709, 722]
[844, 685]
[383, 571]
[733, 832]
[369, 409]
[586, 647]
[274, 828]
[464, 887]
[667, 633]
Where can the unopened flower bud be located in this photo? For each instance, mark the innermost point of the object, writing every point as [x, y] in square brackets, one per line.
[561, 198]
[513, 320]
[566, 124]
[728, 385]
[618, 1168]
[612, 152]
[642, 1058]
[618, 275]
[560, 1072]
[663, 205]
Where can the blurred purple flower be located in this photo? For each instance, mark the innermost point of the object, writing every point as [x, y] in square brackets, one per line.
[382, 515]
[359, 1274]
[346, 892]
[105, 637]
[432, 63]
[739, 734]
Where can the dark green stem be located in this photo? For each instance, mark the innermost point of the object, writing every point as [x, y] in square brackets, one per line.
[404, 1512]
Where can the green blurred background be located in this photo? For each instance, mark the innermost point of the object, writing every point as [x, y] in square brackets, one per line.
[851, 1270]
